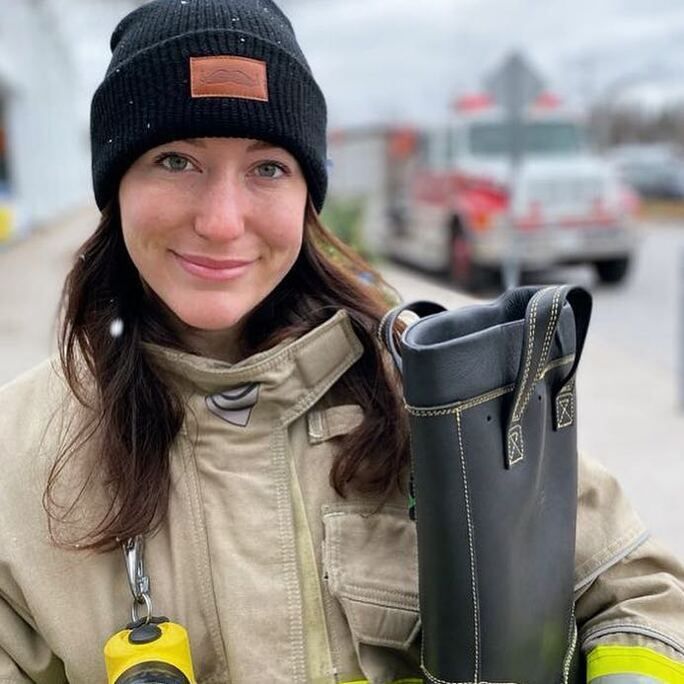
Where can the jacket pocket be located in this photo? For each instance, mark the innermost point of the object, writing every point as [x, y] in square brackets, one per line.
[371, 567]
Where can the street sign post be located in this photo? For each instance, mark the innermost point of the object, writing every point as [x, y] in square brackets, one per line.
[514, 86]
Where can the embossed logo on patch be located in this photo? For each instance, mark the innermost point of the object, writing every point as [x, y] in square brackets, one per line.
[235, 405]
[228, 76]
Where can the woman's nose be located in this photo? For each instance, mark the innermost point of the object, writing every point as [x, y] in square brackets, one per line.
[221, 210]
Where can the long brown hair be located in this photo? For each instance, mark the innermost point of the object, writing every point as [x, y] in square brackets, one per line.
[135, 415]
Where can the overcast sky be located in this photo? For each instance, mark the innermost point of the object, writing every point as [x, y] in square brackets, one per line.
[407, 59]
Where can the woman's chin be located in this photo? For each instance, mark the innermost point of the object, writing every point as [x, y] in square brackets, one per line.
[214, 319]
[210, 323]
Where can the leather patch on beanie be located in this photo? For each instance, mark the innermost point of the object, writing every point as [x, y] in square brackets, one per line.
[228, 76]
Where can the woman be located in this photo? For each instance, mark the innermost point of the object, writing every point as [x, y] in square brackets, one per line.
[222, 393]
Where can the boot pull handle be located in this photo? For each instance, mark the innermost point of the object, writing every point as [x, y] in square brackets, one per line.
[386, 328]
[542, 316]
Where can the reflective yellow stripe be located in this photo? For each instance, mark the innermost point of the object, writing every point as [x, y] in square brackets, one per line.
[608, 660]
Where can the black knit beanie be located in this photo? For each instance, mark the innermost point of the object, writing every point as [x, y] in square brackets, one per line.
[204, 68]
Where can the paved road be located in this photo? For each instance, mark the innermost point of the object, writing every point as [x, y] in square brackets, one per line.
[628, 416]
[31, 277]
[642, 316]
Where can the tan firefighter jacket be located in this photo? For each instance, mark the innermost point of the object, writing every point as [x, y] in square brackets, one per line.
[277, 579]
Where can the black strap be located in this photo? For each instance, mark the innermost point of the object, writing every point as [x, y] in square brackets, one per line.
[386, 330]
[541, 322]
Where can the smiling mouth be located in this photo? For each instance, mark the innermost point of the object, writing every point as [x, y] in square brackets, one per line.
[212, 269]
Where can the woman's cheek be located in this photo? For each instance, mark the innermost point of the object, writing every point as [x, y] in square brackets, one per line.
[288, 231]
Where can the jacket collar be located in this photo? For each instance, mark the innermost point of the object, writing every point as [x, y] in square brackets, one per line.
[291, 373]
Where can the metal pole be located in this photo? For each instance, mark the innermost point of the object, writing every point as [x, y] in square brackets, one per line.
[511, 268]
[511, 265]
[514, 86]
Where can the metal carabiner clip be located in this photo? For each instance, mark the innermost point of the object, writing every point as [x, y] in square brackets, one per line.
[138, 581]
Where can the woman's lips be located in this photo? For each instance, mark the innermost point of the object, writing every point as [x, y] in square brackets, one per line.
[212, 269]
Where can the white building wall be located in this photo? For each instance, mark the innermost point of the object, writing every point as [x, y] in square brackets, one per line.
[48, 147]
[360, 172]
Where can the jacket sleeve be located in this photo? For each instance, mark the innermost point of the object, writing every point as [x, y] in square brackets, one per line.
[24, 655]
[629, 590]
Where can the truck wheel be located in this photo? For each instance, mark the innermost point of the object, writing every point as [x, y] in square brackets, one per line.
[612, 271]
[462, 271]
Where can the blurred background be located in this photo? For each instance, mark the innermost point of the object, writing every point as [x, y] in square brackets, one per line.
[427, 180]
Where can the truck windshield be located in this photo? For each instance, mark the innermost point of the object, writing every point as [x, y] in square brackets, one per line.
[540, 138]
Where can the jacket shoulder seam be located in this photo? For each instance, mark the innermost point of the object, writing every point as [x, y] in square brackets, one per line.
[634, 543]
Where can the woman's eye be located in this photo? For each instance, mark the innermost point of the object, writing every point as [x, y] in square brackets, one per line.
[173, 162]
[270, 170]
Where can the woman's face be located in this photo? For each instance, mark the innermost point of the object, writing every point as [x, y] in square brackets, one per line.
[213, 225]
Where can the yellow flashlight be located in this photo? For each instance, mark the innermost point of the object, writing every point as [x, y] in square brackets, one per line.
[154, 652]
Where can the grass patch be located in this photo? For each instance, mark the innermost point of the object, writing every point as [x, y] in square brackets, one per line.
[344, 217]
[662, 210]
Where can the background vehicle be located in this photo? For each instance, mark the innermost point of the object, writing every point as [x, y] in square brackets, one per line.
[655, 171]
[453, 213]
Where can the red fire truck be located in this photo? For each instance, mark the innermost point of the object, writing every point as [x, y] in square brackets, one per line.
[450, 208]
